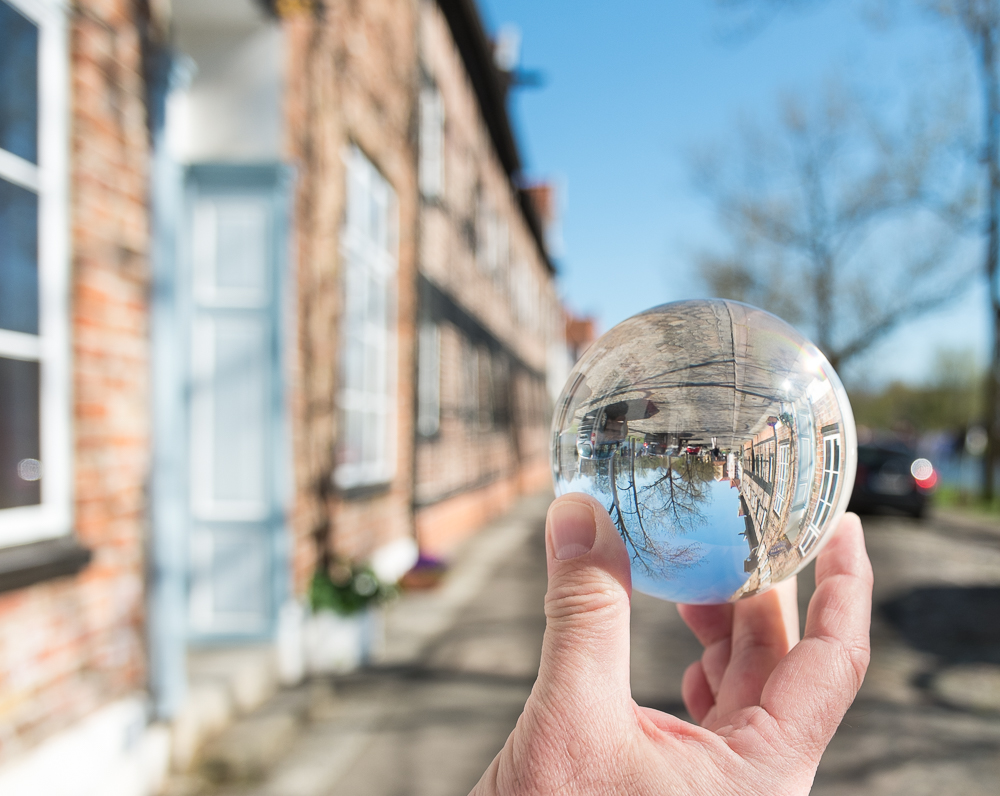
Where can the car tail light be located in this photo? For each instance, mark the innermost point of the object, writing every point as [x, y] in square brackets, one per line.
[923, 473]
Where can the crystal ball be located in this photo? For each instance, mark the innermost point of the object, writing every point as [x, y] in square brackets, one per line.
[719, 439]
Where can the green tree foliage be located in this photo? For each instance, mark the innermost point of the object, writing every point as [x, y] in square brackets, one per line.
[951, 401]
[978, 22]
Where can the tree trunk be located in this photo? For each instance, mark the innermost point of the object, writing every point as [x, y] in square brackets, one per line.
[991, 156]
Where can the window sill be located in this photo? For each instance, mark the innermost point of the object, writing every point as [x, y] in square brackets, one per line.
[365, 491]
[27, 564]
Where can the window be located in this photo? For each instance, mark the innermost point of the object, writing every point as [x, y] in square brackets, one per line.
[431, 167]
[470, 383]
[524, 294]
[486, 409]
[502, 251]
[428, 379]
[781, 483]
[487, 237]
[366, 451]
[34, 339]
[501, 391]
[827, 492]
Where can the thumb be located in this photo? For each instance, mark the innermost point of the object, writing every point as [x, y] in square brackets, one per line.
[585, 653]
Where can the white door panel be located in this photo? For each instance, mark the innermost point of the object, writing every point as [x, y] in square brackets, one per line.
[234, 402]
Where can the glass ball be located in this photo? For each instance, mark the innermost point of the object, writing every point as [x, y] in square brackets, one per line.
[718, 438]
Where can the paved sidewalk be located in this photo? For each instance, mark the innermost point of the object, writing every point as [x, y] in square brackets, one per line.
[927, 720]
[461, 661]
[459, 664]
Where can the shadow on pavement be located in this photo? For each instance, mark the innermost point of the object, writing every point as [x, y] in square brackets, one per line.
[955, 624]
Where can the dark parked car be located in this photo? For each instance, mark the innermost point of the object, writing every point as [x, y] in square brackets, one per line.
[600, 434]
[892, 476]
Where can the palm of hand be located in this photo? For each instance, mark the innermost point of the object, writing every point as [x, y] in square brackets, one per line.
[766, 703]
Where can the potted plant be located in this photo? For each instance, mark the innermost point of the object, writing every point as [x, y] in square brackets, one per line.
[344, 628]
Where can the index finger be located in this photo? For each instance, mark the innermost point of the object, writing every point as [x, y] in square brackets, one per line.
[812, 687]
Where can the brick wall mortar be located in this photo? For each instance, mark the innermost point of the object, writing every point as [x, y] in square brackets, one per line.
[72, 645]
[351, 79]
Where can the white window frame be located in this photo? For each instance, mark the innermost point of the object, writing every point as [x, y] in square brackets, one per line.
[524, 294]
[780, 484]
[369, 255]
[487, 237]
[52, 517]
[432, 121]
[470, 382]
[503, 250]
[428, 379]
[833, 463]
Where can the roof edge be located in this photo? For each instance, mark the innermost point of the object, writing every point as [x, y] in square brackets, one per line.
[477, 54]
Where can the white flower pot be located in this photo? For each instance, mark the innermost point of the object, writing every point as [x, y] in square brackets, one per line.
[335, 644]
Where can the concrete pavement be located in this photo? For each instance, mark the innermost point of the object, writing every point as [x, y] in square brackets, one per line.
[926, 720]
[460, 663]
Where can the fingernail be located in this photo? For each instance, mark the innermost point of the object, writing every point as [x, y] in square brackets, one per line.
[573, 529]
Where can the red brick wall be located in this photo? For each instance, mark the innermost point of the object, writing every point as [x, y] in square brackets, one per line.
[72, 645]
[467, 474]
[351, 78]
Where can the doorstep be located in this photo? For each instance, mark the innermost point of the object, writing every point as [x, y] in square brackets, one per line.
[223, 685]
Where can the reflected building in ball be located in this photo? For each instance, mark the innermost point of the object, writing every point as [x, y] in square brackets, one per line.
[715, 435]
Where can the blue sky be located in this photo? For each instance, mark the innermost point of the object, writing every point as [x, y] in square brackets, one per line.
[719, 573]
[632, 87]
[720, 549]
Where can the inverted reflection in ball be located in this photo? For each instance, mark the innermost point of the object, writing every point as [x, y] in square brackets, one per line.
[720, 440]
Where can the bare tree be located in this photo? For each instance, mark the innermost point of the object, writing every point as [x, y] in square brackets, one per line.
[651, 512]
[978, 21]
[836, 221]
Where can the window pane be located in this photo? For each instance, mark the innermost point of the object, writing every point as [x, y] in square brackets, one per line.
[354, 363]
[376, 302]
[350, 447]
[236, 232]
[367, 329]
[240, 417]
[18, 84]
[18, 258]
[20, 448]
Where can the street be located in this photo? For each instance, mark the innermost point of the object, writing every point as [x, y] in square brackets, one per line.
[927, 720]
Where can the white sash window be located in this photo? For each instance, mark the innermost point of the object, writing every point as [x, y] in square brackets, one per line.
[366, 451]
[431, 167]
[781, 484]
[832, 466]
[35, 452]
[429, 379]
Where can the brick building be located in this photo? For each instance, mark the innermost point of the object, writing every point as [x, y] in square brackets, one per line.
[791, 475]
[74, 386]
[292, 300]
[489, 317]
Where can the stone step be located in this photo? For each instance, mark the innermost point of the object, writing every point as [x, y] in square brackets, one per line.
[248, 749]
[251, 746]
[256, 744]
[224, 684]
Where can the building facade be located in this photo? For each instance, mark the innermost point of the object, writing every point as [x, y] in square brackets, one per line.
[489, 318]
[293, 302]
[791, 475]
[74, 381]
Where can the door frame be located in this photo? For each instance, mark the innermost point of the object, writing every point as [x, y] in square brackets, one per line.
[171, 314]
[256, 178]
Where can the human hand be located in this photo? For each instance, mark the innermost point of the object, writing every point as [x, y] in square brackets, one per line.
[767, 703]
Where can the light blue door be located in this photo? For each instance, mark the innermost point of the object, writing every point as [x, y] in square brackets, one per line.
[233, 247]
